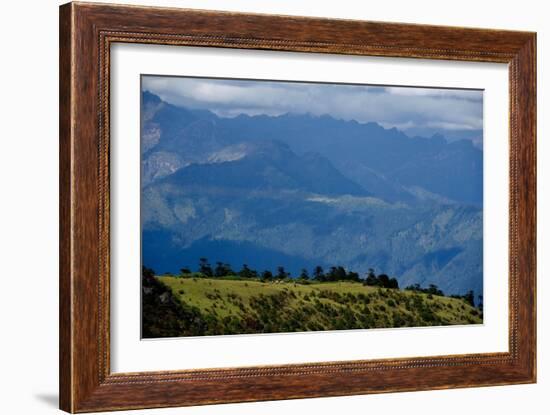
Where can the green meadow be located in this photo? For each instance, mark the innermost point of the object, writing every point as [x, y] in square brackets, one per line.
[191, 305]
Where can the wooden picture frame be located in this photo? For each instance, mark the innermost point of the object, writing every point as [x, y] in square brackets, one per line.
[86, 33]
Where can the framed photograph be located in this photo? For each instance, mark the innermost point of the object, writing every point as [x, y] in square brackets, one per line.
[258, 207]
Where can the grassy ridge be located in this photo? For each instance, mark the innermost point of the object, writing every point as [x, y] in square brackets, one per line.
[229, 306]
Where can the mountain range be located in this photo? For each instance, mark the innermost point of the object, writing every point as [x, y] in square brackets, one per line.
[299, 190]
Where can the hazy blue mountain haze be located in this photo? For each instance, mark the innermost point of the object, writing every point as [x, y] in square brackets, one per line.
[300, 190]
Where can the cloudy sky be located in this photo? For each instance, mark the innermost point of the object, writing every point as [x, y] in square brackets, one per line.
[416, 111]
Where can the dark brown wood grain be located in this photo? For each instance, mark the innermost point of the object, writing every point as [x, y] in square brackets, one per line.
[65, 138]
[86, 33]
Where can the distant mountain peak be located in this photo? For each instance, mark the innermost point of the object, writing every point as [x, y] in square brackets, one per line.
[149, 97]
[383, 160]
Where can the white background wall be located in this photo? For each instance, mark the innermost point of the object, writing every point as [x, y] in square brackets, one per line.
[28, 207]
